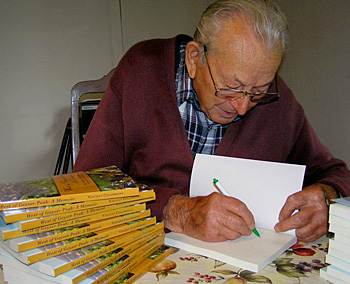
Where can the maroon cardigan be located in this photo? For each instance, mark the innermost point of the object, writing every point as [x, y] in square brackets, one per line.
[138, 128]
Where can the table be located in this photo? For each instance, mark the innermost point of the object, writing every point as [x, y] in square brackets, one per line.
[299, 264]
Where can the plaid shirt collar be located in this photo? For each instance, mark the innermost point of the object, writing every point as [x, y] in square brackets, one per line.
[203, 134]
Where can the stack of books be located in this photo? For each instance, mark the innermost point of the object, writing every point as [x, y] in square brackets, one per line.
[84, 227]
[338, 256]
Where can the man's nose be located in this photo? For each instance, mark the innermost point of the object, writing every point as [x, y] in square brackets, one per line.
[241, 105]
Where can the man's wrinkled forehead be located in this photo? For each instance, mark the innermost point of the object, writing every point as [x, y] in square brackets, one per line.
[238, 34]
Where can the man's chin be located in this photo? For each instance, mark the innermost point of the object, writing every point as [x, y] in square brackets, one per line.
[222, 120]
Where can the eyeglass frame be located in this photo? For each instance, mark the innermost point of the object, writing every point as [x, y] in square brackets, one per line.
[268, 99]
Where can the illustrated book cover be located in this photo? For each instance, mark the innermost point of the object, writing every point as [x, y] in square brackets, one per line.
[22, 214]
[103, 183]
[44, 252]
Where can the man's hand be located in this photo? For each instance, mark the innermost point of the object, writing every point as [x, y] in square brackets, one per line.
[215, 217]
[311, 222]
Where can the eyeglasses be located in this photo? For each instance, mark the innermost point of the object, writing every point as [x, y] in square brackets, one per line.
[233, 94]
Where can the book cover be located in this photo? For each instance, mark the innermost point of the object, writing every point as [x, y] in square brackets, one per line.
[57, 265]
[21, 214]
[44, 252]
[116, 269]
[156, 257]
[247, 252]
[46, 238]
[99, 269]
[114, 274]
[13, 231]
[94, 213]
[103, 183]
[17, 272]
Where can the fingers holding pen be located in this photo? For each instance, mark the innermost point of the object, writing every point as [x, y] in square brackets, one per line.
[240, 216]
[217, 218]
[238, 208]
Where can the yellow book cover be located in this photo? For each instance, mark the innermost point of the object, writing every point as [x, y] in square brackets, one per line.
[11, 231]
[119, 267]
[134, 259]
[94, 213]
[103, 183]
[41, 253]
[73, 259]
[100, 269]
[21, 214]
[137, 272]
[42, 239]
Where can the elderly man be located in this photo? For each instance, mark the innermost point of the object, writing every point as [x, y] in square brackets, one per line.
[215, 94]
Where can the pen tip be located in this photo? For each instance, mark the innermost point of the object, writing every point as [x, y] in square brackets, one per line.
[255, 231]
[215, 180]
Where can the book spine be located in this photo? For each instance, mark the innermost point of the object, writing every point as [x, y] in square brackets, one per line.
[143, 268]
[144, 196]
[85, 242]
[31, 224]
[6, 235]
[144, 242]
[118, 242]
[78, 221]
[38, 242]
[64, 199]
[94, 214]
[135, 259]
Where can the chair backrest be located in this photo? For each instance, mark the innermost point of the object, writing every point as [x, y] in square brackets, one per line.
[85, 98]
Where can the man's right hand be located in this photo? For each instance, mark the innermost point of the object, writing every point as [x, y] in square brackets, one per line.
[212, 218]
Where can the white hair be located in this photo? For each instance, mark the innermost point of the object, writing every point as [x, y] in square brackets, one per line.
[270, 24]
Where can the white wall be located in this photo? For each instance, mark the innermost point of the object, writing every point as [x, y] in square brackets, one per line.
[317, 67]
[48, 45]
[145, 19]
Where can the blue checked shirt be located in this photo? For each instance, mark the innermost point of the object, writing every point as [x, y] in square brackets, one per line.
[203, 134]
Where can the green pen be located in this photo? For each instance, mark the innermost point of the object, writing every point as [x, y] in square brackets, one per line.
[223, 191]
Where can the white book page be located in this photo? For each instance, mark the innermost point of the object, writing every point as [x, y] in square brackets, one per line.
[251, 253]
[262, 186]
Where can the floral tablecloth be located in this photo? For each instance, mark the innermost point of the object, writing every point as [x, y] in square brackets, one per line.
[300, 264]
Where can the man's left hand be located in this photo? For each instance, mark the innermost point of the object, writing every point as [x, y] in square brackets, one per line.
[311, 220]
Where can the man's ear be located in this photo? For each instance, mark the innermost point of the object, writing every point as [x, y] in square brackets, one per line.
[192, 58]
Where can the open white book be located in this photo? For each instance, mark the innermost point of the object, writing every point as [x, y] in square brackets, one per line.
[264, 188]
